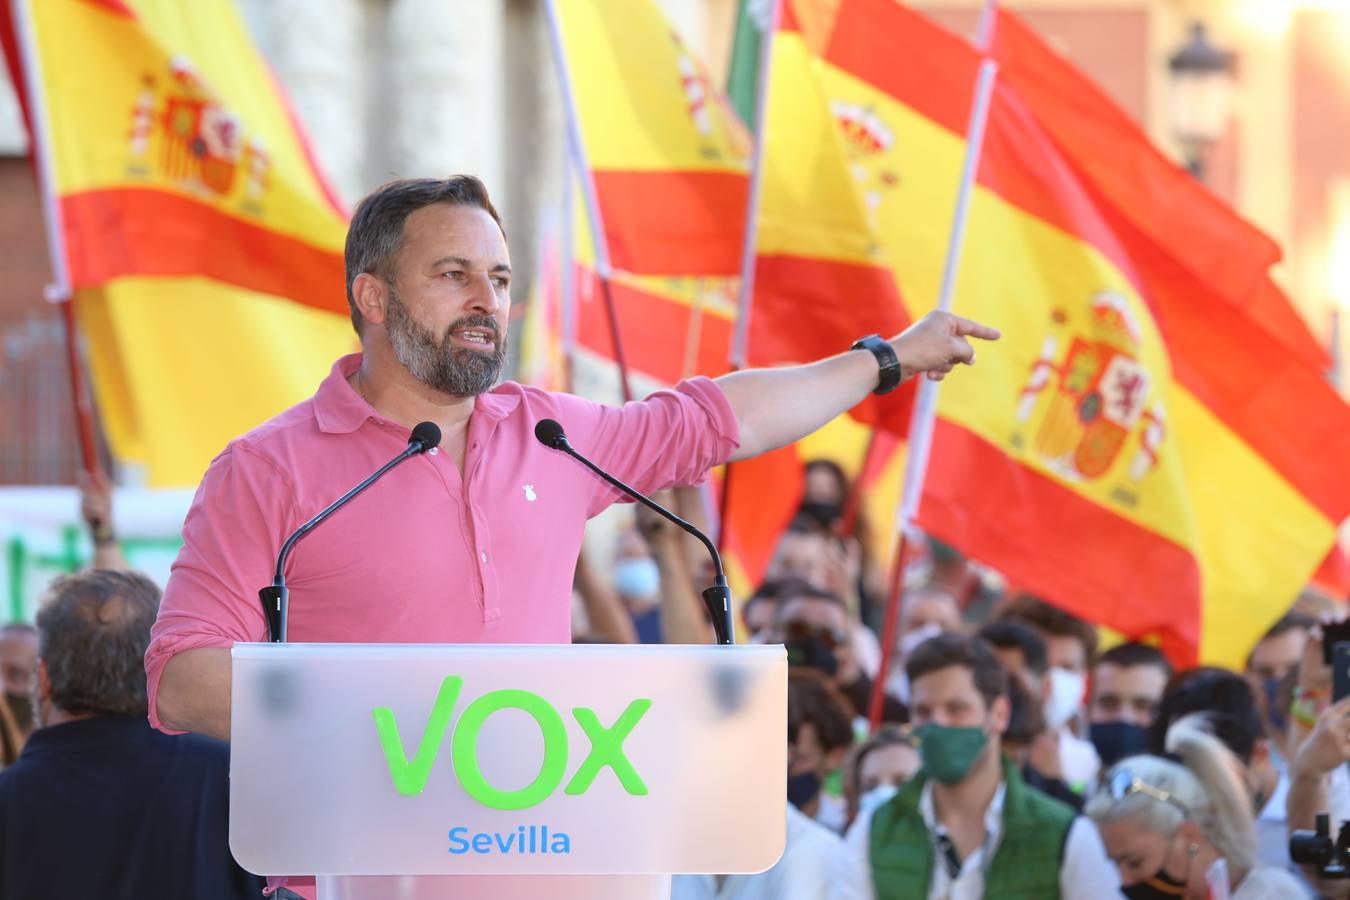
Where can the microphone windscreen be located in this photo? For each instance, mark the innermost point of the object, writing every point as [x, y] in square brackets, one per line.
[428, 433]
[550, 434]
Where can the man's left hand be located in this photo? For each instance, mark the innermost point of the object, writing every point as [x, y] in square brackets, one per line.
[935, 344]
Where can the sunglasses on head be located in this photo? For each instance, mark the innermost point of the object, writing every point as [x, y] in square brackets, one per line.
[1122, 783]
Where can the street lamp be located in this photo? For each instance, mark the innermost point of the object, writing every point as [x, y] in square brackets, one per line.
[1201, 96]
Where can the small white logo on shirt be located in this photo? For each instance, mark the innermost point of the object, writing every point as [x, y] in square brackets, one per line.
[529, 493]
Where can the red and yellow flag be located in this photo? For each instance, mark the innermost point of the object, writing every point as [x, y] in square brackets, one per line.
[1135, 448]
[1108, 150]
[202, 245]
[667, 155]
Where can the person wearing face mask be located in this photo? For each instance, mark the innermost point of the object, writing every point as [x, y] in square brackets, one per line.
[966, 825]
[814, 626]
[1226, 701]
[1184, 828]
[1127, 686]
[1070, 645]
[878, 768]
[1270, 666]
[637, 581]
[925, 612]
[144, 814]
[18, 672]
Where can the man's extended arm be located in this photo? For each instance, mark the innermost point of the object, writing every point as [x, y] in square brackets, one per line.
[775, 407]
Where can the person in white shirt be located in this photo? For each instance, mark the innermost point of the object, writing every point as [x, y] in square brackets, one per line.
[801, 873]
[967, 826]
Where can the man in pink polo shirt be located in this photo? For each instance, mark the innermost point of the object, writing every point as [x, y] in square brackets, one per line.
[476, 540]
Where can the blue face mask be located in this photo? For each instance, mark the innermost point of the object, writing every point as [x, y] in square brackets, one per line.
[803, 788]
[1279, 717]
[637, 579]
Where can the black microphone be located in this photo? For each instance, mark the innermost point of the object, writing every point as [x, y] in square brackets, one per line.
[275, 597]
[718, 597]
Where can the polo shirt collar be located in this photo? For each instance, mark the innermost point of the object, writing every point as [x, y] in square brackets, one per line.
[338, 409]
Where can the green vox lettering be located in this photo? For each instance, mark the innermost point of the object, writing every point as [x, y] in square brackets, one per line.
[409, 777]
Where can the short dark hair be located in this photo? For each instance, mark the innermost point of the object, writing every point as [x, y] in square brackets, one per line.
[1136, 654]
[1224, 697]
[375, 234]
[885, 736]
[1026, 716]
[950, 649]
[93, 629]
[1290, 621]
[1013, 635]
[798, 588]
[813, 700]
[1052, 620]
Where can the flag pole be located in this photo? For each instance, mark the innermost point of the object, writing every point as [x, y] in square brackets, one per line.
[740, 338]
[925, 407]
[578, 152]
[59, 291]
[567, 274]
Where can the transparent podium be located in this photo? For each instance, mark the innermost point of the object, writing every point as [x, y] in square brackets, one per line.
[420, 772]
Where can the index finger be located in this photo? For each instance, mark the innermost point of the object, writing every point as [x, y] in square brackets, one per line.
[971, 328]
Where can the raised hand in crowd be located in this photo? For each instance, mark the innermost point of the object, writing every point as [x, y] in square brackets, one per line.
[681, 606]
[96, 509]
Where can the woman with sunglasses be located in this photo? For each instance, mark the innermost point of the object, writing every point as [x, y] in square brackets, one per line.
[1175, 828]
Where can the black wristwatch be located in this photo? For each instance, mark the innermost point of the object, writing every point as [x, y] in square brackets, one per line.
[886, 359]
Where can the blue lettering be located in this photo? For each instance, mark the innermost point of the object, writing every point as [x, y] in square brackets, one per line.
[458, 845]
[525, 840]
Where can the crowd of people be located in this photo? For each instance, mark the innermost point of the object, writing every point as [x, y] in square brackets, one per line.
[1017, 755]
[1017, 758]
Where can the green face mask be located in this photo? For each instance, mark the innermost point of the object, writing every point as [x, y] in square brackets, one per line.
[948, 752]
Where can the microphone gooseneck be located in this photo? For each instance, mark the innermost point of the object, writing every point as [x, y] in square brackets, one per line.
[718, 597]
[275, 597]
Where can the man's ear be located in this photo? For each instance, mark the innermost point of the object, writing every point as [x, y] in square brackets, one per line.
[44, 682]
[371, 294]
[1000, 712]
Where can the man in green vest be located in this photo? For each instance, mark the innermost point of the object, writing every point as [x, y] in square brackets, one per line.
[967, 826]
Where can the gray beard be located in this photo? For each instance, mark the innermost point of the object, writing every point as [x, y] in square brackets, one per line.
[437, 363]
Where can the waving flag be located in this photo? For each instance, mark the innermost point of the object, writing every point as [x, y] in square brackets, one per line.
[1137, 448]
[201, 245]
[667, 155]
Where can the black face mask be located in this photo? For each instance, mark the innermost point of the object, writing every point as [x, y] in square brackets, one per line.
[1160, 887]
[803, 788]
[825, 512]
[22, 707]
[812, 652]
[1116, 740]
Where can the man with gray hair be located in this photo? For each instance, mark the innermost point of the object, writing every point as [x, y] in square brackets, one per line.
[100, 804]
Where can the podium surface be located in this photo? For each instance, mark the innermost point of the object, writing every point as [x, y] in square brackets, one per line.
[474, 760]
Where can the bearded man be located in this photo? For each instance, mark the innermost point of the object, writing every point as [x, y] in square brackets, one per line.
[476, 540]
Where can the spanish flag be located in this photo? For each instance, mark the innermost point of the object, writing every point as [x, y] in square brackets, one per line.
[1138, 448]
[1108, 150]
[190, 222]
[668, 157]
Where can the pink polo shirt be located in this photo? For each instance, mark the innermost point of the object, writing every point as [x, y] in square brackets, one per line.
[423, 556]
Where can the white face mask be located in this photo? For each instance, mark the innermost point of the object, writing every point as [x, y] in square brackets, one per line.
[878, 795]
[910, 640]
[1066, 693]
[897, 683]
